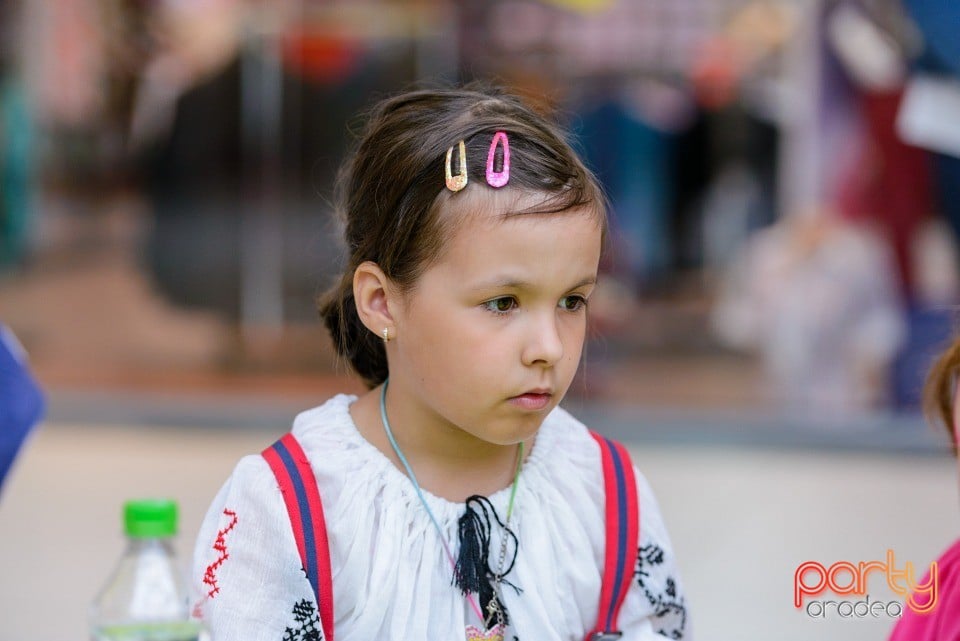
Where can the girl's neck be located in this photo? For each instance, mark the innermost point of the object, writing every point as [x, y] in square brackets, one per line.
[449, 462]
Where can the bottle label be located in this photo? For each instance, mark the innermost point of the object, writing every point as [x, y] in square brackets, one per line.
[159, 631]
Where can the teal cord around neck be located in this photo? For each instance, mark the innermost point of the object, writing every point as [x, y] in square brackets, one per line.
[406, 465]
[423, 499]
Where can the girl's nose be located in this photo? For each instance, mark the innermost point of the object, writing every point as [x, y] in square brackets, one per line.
[544, 345]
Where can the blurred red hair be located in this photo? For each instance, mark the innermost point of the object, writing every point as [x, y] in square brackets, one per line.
[938, 391]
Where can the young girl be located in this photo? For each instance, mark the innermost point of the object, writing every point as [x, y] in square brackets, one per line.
[942, 623]
[459, 500]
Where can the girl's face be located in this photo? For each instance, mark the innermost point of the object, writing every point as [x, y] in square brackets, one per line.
[490, 338]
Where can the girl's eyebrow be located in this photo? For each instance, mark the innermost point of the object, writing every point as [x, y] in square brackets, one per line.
[508, 282]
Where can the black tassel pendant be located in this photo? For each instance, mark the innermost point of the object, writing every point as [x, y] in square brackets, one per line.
[472, 572]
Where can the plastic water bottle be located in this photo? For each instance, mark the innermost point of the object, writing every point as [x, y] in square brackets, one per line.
[146, 597]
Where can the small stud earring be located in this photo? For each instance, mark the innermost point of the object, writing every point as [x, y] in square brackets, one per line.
[386, 334]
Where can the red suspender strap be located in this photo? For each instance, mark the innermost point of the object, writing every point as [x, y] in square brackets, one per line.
[623, 533]
[302, 498]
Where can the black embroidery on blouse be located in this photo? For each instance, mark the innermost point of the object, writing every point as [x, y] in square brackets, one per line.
[669, 610]
[307, 624]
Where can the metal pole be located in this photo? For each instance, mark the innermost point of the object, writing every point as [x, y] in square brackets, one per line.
[261, 235]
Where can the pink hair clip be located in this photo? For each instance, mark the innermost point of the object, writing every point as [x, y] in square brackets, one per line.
[502, 177]
[458, 182]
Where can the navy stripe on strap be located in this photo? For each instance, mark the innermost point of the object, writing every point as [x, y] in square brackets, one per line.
[309, 540]
[621, 530]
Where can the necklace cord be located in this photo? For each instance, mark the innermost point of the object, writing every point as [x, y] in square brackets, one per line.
[474, 538]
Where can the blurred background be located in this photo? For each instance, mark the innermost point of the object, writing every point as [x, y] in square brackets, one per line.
[785, 186]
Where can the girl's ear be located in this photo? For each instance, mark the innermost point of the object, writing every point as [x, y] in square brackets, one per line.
[375, 295]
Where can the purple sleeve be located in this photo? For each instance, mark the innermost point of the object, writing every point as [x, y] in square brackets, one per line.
[21, 402]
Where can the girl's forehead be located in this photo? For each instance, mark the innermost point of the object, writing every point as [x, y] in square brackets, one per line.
[498, 236]
[482, 203]
[490, 208]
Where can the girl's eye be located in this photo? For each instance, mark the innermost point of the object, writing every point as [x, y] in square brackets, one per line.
[501, 305]
[573, 303]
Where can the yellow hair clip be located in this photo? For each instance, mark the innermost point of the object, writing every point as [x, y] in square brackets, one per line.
[458, 182]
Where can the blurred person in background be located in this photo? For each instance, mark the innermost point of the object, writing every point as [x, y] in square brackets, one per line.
[877, 62]
[238, 125]
[849, 159]
[928, 119]
[942, 623]
[877, 177]
[21, 402]
[928, 115]
[817, 298]
[815, 294]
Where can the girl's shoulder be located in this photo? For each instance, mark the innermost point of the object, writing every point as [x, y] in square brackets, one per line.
[330, 438]
[329, 424]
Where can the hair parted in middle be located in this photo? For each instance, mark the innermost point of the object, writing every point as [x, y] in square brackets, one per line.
[391, 192]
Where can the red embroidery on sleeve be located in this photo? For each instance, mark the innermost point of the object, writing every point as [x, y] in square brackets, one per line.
[220, 546]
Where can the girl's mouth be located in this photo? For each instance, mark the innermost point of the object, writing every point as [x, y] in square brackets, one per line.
[531, 401]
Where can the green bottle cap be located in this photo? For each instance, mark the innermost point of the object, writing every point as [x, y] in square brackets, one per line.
[150, 518]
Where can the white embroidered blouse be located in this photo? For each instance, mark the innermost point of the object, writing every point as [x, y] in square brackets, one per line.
[392, 580]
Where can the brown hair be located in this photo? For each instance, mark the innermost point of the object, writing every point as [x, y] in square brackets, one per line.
[391, 191]
[938, 391]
